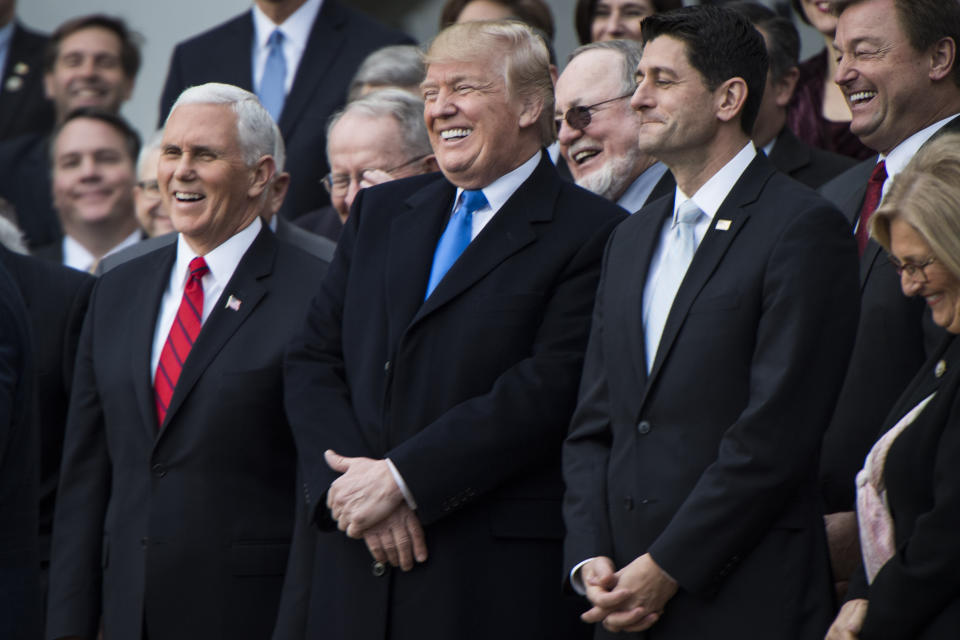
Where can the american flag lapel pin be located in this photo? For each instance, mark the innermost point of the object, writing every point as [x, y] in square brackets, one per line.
[723, 224]
[233, 303]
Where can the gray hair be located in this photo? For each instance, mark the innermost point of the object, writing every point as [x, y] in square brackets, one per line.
[10, 235]
[399, 65]
[153, 144]
[405, 109]
[256, 130]
[279, 149]
[630, 52]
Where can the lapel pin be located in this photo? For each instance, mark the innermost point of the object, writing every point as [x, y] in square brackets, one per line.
[13, 83]
[21, 68]
[940, 369]
[723, 225]
[233, 303]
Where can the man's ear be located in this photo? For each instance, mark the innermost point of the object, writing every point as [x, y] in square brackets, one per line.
[261, 175]
[943, 56]
[730, 98]
[786, 86]
[530, 115]
[278, 191]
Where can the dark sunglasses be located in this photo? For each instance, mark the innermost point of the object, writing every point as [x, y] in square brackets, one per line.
[579, 117]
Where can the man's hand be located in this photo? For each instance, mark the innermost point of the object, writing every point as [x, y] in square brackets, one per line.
[843, 540]
[371, 177]
[849, 621]
[398, 539]
[364, 495]
[636, 600]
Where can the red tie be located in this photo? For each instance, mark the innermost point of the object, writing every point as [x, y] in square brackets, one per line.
[870, 203]
[183, 333]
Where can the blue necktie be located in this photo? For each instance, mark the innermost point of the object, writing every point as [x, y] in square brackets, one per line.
[273, 80]
[455, 237]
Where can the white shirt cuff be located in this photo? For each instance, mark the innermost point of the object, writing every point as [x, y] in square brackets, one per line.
[407, 496]
[576, 580]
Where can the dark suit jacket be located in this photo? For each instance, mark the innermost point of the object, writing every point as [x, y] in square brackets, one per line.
[325, 221]
[19, 562]
[25, 183]
[709, 463]
[56, 298]
[340, 40]
[894, 336]
[916, 595]
[809, 165]
[185, 532]
[468, 393]
[24, 107]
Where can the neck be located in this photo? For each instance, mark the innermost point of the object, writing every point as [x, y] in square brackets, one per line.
[692, 170]
[99, 239]
[279, 10]
[764, 134]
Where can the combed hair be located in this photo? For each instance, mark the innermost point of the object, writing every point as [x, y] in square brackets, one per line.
[405, 109]
[131, 139]
[926, 195]
[585, 11]
[129, 41]
[399, 65]
[256, 130]
[720, 44]
[535, 13]
[783, 41]
[153, 144]
[630, 52]
[526, 60]
[924, 22]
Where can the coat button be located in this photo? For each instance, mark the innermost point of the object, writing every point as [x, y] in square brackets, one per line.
[378, 569]
[628, 503]
[643, 427]
[386, 367]
[159, 470]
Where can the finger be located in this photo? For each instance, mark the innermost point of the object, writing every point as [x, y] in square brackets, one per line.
[643, 624]
[611, 600]
[417, 537]
[374, 176]
[622, 620]
[404, 546]
[594, 615]
[606, 581]
[373, 546]
[335, 461]
[386, 541]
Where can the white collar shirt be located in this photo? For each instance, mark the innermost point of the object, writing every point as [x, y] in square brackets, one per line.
[296, 31]
[640, 189]
[498, 192]
[76, 256]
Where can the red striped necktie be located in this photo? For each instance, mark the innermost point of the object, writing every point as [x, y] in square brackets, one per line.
[183, 333]
[871, 201]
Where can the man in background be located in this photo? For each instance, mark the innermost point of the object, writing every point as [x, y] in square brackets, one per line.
[23, 106]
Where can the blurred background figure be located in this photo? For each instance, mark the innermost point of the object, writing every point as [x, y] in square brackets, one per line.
[23, 106]
[819, 113]
[908, 493]
[153, 218]
[535, 13]
[809, 165]
[616, 19]
[399, 66]
[375, 139]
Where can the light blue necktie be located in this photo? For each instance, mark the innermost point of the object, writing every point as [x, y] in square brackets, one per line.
[273, 80]
[677, 254]
[455, 237]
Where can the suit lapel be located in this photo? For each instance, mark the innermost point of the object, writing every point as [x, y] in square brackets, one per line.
[324, 43]
[788, 154]
[236, 45]
[711, 251]
[245, 286]
[145, 307]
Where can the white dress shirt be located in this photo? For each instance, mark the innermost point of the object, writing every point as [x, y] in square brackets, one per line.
[222, 262]
[901, 154]
[296, 31]
[76, 256]
[640, 189]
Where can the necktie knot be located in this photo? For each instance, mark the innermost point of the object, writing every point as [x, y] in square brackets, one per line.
[879, 174]
[198, 268]
[472, 200]
[275, 40]
[688, 213]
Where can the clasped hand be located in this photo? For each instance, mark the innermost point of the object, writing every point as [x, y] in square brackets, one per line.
[631, 599]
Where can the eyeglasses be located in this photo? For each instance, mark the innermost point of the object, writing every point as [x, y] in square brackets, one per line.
[338, 183]
[579, 117]
[916, 272]
[150, 188]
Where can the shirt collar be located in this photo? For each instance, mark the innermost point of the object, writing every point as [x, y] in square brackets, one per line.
[637, 193]
[714, 191]
[295, 28]
[499, 191]
[222, 261]
[76, 256]
[901, 154]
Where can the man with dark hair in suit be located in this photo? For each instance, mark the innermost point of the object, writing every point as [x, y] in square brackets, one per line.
[789, 154]
[723, 322]
[304, 53]
[432, 389]
[177, 489]
[597, 130]
[900, 73]
[90, 61]
[23, 106]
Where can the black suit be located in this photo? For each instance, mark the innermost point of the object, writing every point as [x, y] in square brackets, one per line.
[709, 462]
[340, 40]
[24, 107]
[916, 594]
[184, 533]
[25, 183]
[809, 165]
[19, 562]
[468, 393]
[325, 222]
[893, 338]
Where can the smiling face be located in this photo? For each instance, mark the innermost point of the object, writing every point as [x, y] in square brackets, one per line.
[93, 174]
[151, 215]
[820, 15]
[619, 19]
[941, 289]
[880, 74]
[88, 72]
[605, 153]
[478, 131]
[207, 188]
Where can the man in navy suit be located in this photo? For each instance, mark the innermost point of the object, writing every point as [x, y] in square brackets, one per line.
[177, 489]
[321, 44]
[433, 387]
[23, 106]
[723, 322]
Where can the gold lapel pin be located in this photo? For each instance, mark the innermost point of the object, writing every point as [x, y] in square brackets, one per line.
[940, 369]
[724, 224]
[21, 68]
[13, 83]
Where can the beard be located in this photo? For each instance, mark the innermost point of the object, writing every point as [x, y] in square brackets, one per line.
[613, 178]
